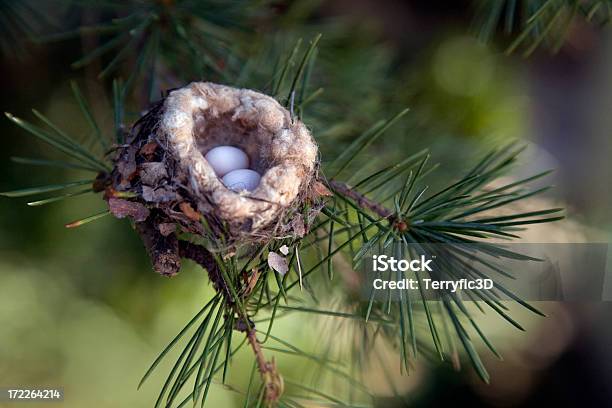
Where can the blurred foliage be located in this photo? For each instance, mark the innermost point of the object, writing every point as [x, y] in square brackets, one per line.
[82, 308]
[534, 23]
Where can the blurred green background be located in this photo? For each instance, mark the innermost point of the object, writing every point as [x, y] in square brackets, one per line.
[83, 310]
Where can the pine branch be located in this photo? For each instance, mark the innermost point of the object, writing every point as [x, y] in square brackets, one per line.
[361, 200]
[165, 253]
[272, 381]
[163, 250]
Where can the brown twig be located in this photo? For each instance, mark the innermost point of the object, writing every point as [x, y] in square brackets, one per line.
[163, 251]
[273, 381]
[368, 204]
[204, 258]
[360, 199]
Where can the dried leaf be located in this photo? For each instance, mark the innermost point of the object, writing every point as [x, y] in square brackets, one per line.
[320, 190]
[152, 173]
[166, 228]
[251, 281]
[148, 149]
[158, 195]
[124, 208]
[126, 165]
[278, 263]
[229, 255]
[188, 210]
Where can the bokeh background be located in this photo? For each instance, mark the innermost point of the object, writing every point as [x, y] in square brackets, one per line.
[82, 309]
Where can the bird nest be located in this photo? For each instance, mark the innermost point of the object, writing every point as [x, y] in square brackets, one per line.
[162, 180]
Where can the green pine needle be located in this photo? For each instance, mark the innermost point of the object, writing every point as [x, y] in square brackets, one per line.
[44, 189]
[59, 198]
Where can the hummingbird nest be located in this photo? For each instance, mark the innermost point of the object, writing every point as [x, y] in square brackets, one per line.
[162, 181]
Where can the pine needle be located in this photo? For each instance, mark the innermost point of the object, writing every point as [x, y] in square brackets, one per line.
[44, 189]
[59, 198]
[87, 220]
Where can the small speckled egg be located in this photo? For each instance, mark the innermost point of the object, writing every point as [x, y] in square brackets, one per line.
[241, 180]
[224, 159]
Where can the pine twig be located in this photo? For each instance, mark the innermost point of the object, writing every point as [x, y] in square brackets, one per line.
[272, 380]
[163, 251]
[204, 258]
[360, 199]
[368, 204]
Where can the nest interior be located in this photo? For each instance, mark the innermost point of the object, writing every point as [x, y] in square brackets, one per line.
[203, 115]
[211, 132]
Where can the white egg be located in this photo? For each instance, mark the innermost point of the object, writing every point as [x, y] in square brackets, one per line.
[224, 159]
[243, 179]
